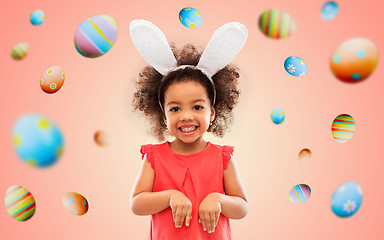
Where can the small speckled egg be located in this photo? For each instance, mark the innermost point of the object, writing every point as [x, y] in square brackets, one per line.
[346, 199]
[75, 203]
[37, 140]
[190, 17]
[329, 10]
[37, 17]
[276, 24]
[20, 51]
[354, 60]
[343, 128]
[52, 79]
[295, 66]
[96, 36]
[101, 138]
[277, 115]
[20, 203]
[305, 155]
[299, 193]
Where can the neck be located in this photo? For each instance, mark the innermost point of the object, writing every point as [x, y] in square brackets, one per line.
[183, 148]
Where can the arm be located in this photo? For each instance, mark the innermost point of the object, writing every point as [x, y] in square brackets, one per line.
[143, 200]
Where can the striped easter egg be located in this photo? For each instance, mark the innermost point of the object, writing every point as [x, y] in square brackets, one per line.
[299, 193]
[343, 128]
[20, 203]
[276, 24]
[96, 36]
[20, 51]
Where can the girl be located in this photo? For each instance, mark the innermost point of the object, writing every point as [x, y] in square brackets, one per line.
[191, 187]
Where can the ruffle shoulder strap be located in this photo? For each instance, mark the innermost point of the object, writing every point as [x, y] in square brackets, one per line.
[227, 154]
[148, 150]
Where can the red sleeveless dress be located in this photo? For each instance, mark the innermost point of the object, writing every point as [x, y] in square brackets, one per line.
[195, 175]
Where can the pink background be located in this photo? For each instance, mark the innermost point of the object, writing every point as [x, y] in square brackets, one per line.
[97, 92]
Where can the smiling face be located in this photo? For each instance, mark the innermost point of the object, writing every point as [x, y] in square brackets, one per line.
[187, 111]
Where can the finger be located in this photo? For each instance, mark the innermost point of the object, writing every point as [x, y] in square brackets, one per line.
[188, 216]
[212, 221]
[178, 217]
[217, 217]
[202, 221]
[183, 215]
[208, 222]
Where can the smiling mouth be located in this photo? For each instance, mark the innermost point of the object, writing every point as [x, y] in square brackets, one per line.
[188, 129]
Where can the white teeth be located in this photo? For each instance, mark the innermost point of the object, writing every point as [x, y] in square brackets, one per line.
[188, 129]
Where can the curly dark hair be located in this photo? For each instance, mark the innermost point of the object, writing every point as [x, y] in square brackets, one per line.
[146, 98]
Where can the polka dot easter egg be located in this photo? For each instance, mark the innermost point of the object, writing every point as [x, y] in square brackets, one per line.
[190, 17]
[277, 116]
[343, 128]
[329, 10]
[299, 193]
[276, 24]
[354, 60]
[75, 203]
[20, 203]
[52, 79]
[96, 36]
[37, 17]
[346, 199]
[101, 138]
[37, 140]
[20, 51]
[295, 66]
[305, 155]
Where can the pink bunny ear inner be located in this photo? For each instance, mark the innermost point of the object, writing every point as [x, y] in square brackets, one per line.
[152, 45]
[224, 45]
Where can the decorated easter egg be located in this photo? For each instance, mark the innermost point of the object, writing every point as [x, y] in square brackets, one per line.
[190, 17]
[52, 79]
[101, 138]
[20, 203]
[295, 66]
[354, 60]
[305, 154]
[37, 17]
[299, 193]
[75, 203]
[346, 199]
[343, 128]
[37, 140]
[329, 10]
[276, 24]
[20, 51]
[96, 36]
[277, 115]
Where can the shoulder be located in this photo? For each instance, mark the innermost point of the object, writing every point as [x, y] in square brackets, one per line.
[148, 151]
[226, 152]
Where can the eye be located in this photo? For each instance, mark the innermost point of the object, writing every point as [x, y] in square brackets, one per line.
[175, 109]
[197, 107]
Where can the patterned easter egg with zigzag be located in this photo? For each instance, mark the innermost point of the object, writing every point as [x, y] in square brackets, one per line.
[20, 203]
[96, 36]
[343, 128]
[37, 140]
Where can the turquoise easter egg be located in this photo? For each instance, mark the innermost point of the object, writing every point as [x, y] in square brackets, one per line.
[190, 17]
[329, 10]
[277, 115]
[346, 199]
[37, 140]
[37, 17]
[96, 36]
[295, 66]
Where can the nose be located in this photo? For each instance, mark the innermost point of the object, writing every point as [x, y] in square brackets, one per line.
[186, 116]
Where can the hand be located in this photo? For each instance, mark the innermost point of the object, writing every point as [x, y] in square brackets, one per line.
[209, 212]
[181, 208]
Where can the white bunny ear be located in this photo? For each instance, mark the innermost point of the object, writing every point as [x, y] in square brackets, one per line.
[226, 42]
[151, 43]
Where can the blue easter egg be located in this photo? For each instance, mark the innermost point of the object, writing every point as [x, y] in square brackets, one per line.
[295, 66]
[37, 17]
[37, 140]
[277, 115]
[329, 10]
[346, 199]
[190, 17]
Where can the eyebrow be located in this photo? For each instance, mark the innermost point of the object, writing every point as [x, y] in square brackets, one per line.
[194, 101]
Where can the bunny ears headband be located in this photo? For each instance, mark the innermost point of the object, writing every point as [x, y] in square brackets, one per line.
[152, 45]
